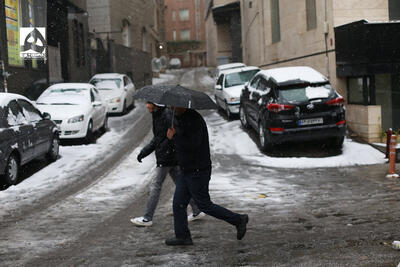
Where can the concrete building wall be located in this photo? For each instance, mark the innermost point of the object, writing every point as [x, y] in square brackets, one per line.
[211, 37]
[346, 11]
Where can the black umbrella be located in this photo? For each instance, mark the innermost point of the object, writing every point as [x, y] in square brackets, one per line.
[175, 95]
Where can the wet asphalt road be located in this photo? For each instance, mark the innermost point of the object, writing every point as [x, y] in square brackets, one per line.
[298, 217]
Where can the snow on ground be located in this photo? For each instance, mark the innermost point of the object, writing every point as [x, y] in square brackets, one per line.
[163, 78]
[73, 159]
[228, 137]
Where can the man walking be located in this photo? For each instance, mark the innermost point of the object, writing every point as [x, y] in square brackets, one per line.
[166, 163]
[192, 144]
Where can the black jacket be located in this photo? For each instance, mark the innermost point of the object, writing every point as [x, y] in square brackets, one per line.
[191, 141]
[165, 148]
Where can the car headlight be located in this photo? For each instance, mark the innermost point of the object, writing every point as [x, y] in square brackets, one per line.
[115, 100]
[76, 119]
[233, 99]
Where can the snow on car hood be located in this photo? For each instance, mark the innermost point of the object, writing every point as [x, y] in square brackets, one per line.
[234, 91]
[61, 112]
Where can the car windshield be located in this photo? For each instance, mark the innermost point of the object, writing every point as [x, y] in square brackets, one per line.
[305, 93]
[63, 96]
[98, 81]
[239, 78]
[106, 85]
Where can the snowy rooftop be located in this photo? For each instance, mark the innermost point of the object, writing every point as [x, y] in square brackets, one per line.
[297, 74]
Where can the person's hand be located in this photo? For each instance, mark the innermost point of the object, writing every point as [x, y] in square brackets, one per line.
[140, 157]
[171, 132]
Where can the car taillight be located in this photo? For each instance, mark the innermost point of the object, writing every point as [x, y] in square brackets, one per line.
[338, 101]
[279, 107]
[341, 122]
[276, 130]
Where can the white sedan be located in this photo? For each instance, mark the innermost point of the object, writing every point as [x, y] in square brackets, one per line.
[118, 90]
[77, 108]
[229, 86]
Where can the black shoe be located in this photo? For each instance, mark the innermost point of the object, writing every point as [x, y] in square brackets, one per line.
[241, 227]
[178, 242]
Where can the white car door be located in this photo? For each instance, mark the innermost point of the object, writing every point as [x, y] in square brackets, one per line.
[219, 97]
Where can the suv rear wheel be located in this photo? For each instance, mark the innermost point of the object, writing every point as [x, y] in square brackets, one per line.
[264, 140]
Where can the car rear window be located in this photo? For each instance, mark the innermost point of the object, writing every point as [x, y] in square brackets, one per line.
[239, 78]
[305, 93]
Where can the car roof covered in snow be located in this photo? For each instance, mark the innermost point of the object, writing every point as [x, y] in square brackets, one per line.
[293, 75]
[230, 65]
[229, 71]
[5, 98]
[71, 86]
[108, 75]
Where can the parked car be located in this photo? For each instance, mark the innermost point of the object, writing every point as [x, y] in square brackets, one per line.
[174, 63]
[292, 104]
[123, 93]
[227, 67]
[77, 108]
[229, 87]
[25, 134]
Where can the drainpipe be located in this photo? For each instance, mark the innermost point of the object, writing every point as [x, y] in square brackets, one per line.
[326, 32]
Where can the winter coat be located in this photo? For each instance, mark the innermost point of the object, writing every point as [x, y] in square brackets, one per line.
[191, 141]
[164, 148]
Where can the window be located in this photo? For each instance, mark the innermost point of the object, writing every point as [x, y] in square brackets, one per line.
[174, 35]
[79, 43]
[29, 111]
[360, 91]
[254, 82]
[184, 14]
[394, 9]
[311, 14]
[173, 15]
[220, 80]
[126, 34]
[275, 21]
[15, 116]
[185, 34]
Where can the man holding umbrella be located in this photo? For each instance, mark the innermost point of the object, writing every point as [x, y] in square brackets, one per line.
[189, 131]
[166, 163]
[191, 139]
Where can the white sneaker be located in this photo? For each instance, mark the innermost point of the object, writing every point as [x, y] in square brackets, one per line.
[141, 221]
[192, 217]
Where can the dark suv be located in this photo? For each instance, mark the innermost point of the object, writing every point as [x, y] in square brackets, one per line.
[292, 104]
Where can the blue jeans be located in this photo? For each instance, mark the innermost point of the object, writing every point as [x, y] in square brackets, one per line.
[155, 190]
[195, 185]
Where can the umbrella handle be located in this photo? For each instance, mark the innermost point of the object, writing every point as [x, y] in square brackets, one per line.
[173, 115]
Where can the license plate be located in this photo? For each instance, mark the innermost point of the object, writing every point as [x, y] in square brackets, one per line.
[311, 121]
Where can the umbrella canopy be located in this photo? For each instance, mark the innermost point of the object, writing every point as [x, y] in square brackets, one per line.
[175, 95]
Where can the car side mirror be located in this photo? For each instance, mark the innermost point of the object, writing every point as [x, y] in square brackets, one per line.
[46, 116]
[218, 87]
[96, 103]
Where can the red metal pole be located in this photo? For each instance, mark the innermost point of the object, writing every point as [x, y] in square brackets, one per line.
[388, 135]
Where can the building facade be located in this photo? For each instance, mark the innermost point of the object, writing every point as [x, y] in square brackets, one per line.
[278, 33]
[126, 35]
[185, 31]
[66, 28]
[223, 31]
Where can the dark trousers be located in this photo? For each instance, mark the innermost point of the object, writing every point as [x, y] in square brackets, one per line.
[195, 185]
